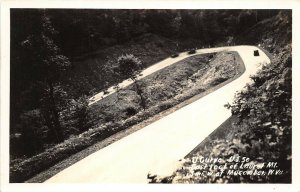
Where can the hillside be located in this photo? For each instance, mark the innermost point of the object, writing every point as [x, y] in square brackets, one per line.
[60, 58]
[272, 34]
[261, 125]
[121, 110]
[90, 72]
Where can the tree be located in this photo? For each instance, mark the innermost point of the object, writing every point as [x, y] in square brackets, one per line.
[49, 64]
[129, 66]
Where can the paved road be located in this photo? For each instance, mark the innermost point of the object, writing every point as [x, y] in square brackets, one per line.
[158, 147]
[160, 65]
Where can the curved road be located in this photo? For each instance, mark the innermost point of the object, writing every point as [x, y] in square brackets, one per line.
[158, 147]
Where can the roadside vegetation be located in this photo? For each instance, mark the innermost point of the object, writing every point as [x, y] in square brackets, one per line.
[261, 124]
[162, 90]
[261, 129]
[59, 58]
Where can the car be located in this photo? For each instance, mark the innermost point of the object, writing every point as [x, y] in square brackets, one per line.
[192, 51]
[174, 55]
[256, 53]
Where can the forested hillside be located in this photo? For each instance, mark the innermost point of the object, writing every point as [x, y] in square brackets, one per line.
[61, 57]
[261, 124]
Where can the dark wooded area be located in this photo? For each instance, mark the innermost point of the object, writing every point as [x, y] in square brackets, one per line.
[60, 57]
[45, 41]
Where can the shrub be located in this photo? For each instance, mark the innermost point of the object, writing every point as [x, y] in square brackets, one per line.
[166, 105]
[218, 81]
[81, 114]
[130, 111]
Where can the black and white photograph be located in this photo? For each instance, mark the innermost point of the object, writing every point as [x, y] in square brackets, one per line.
[148, 95]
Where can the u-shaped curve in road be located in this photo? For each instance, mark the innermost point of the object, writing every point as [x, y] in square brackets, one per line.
[157, 147]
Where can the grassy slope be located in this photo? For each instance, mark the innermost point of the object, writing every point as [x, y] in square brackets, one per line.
[157, 87]
[166, 88]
